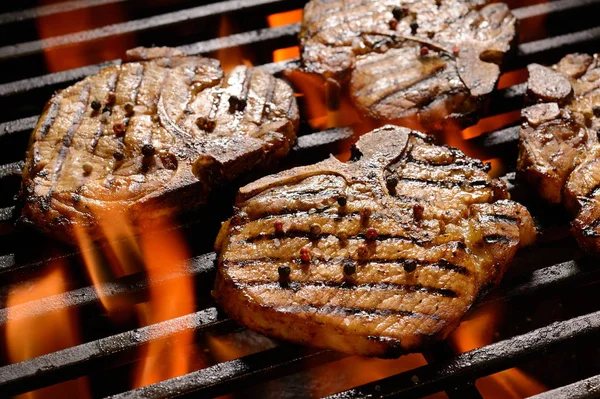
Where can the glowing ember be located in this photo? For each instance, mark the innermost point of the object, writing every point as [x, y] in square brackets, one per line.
[479, 331]
[29, 337]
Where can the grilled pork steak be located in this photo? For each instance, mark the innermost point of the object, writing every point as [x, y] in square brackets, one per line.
[558, 143]
[427, 60]
[375, 257]
[150, 137]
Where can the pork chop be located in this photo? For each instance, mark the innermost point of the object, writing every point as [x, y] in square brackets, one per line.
[429, 61]
[558, 142]
[151, 136]
[376, 256]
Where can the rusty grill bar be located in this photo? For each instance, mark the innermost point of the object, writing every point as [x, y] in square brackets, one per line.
[445, 372]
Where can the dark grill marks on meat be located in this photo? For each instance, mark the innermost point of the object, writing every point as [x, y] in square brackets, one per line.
[559, 151]
[433, 63]
[131, 141]
[67, 140]
[371, 294]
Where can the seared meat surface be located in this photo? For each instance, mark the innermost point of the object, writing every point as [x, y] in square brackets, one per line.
[558, 143]
[150, 137]
[426, 60]
[378, 256]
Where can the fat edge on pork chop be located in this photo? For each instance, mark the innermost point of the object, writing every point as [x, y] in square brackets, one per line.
[149, 137]
[426, 61]
[559, 151]
[377, 256]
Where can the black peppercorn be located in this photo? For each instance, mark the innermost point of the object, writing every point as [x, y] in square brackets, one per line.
[342, 201]
[349, 267]
[413, 27]
[284, 272]
[409, 266]
[96, 105]
[399, 12]
[205, 123]
[148, 150]
[236, 104]
[391, 182]
[118, 156]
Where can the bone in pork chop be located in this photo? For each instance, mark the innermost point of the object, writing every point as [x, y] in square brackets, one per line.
[151, 136]
[558, 143]
[377, 256]
[429, 60]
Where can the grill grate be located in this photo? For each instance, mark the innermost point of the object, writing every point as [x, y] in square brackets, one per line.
[444, 372]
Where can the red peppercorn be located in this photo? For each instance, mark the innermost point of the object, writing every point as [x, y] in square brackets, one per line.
[418, 210]
[424, 50]
[305, 255]
[278, 226]
[362, 251]
[456, 50]
[393, 24]
[371, 233]
[111, 98]
[119, 127]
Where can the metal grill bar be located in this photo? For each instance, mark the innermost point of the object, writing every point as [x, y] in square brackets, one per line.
[11, 169]
[550, 7]
[236, 374]
[82, 359]
[487, 360]
[60, 78]
[18, 126]
[53, 79]
[50, 9]
[500, 138]
[585, 389]
[173, 18]
[551, 48]
[130, 286]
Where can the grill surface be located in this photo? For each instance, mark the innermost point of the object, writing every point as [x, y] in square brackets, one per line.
[554, 267]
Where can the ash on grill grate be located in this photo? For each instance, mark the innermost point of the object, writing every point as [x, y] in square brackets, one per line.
[552, 273]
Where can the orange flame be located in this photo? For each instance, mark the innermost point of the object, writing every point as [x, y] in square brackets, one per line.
[478, 331]
[77, 21]
[281, 19]
[165, 254]
[357, 370]
[29, 337]
[230, 57]
[161, 252]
